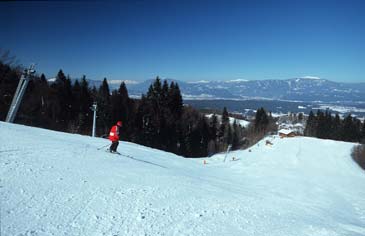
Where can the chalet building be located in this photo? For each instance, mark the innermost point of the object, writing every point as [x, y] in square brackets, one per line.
[285, 133]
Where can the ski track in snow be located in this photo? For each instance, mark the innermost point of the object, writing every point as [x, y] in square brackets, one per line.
[54, 183]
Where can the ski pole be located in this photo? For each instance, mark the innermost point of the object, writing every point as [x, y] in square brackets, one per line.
[102, 147]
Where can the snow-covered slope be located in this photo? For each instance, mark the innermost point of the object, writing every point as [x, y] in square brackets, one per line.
[55, 183]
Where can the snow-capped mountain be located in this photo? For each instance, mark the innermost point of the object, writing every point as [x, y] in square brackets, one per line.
[306, 88]
[54, 183]
[298, 89]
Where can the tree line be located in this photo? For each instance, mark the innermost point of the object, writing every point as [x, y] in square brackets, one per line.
[324, 125]
[159, 119]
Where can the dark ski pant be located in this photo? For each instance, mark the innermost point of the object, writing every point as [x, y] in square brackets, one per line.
[113, 147]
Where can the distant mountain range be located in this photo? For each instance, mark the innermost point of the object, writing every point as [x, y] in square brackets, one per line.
[296, 89]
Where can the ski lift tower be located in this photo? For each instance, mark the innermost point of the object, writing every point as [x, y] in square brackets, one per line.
[94, 108]
[19, 93]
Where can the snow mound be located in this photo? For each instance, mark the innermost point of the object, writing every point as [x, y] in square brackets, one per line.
[55, 183]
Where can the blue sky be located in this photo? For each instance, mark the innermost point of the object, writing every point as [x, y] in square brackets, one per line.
[189, 40]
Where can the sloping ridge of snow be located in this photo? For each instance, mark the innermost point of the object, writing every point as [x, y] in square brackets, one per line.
[54, 183]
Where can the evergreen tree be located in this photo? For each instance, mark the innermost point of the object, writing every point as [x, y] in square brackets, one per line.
[165, 91]
[85, 116]
[213, 127]
[175, 102]
[235, 136]
[142, 122]
[155, 90]
[225, 117]
[104, 108]
[324, 121]
[261, 120]
[320, 120]
[221, 132]
[76, 94]
[357, 129]
[204, 137]
[328, 124]
[43, 78]
[168, 124]
[68, 100]
[149, 115]
[336, 128]
[363, 132]
[58, 106]
[150, 92]
[60, 78]
[194, 141]
[121, 109]
[229, 135]
[311, 126]
[9, 79]
[349, 132]
[31, 106]
[43, 93]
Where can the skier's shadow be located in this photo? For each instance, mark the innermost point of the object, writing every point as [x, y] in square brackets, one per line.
[151, 163]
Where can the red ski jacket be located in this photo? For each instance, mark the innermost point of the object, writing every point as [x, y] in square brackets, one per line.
[114, 133]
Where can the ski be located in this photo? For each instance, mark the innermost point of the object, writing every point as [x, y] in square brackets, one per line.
[117, 153]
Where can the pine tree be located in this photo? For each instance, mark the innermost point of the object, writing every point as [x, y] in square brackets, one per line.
[348, 129]
[328, 124]
[320, 124]
[225, 117]
[60, 78]
[149, 115]
[165, 91]
[261, 120]
[213, 125]
[175, 102]
[363, 133]
[204, 134]
[121, 109]
[311, 126]
[76, 94]
[43, 79]
[59, 102]
[235, 136]
[229, 136]
[36, 100]
[357, 129]
[155, 90]
[221, 133]
[150, 93]
[43, 92]
[324, 123]
[142, 122]
[168, 124]
[336, 128]
[85, 116]
[104, 108]
[67, 99]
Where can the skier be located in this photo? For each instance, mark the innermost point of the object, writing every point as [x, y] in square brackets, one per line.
[114, 137]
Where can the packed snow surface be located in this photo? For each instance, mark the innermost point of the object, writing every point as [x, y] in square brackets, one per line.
[54, 183]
